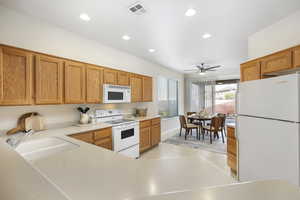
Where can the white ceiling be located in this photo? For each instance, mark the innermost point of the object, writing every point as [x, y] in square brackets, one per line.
[177, 39]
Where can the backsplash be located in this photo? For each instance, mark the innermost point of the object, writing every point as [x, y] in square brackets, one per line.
[61, 115]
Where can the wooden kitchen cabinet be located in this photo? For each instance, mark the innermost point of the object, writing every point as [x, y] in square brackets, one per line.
[150, 133]
[277, 62]
[110, 76]
[231, 149]
[86, 137]
[145, 138]
[123, 78]
[136, 82]
[75, 84]
[48, 80]
[250, 71]
[296, 56]
[147, 89]
[15, 77]
[101, 137]
[94, 84]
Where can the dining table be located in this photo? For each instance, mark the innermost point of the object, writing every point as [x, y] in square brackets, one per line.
[202, 118]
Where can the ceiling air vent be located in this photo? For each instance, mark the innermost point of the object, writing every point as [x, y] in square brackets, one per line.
[137, 8]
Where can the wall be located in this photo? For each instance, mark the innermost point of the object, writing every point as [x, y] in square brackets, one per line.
[281, 35]
[27, 32]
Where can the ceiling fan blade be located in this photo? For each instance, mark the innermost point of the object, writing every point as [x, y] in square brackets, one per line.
[211, 70]
[199, 67]
[214, 67]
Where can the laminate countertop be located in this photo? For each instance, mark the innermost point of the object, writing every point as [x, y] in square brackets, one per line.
[91, 172]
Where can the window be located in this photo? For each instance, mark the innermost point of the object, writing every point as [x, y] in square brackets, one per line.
[167, 97]
[225, 98]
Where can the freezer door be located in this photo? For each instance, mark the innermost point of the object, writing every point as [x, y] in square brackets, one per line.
[276, 98]
[268, 149]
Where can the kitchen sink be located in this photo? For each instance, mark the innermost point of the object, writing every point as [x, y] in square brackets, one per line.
[36, 149]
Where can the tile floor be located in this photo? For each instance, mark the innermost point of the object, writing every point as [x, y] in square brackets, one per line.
[165, 151]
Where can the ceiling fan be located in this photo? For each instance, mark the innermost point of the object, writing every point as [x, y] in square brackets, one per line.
[203, 68]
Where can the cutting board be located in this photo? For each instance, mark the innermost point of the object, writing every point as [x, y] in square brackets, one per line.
[21, 127]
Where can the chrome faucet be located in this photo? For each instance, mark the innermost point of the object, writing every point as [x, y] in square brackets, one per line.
[14, 142]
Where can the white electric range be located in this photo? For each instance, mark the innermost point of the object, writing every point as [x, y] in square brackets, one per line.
[125, 132]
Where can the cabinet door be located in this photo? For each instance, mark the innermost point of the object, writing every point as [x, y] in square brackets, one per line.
[105, 143]
[86, 137]
[15, 77]
[136, 83]
[48, 80]
[155, 135]
[74, 82]
[296, 56]
[147, 89]
[110, 76]
[145, 139]
[277, 62]
[123, 78]
[250, 71]
[94, 86]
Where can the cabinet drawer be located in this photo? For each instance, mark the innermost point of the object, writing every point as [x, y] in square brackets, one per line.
[103, 133]
[105, 143]
[231, 161]
[155, 121]
[145, 124]
[230, 132]
[231, 146]
[86, 137]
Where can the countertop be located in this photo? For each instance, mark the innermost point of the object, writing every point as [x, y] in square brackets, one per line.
[91, 172]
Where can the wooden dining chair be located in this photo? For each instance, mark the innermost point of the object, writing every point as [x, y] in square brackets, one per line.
[187, 126]
[223, 126]
[188, 114]
[213, 128]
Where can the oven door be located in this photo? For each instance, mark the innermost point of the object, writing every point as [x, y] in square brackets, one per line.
[125, 136]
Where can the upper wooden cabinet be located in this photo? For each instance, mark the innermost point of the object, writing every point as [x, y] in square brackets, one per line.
[277, 62]
[136, 82]
[123, 78]
[94, 86]
[296, 56]
[110, 76]
[250, 71]
[15, 77]
[48, 80]
[74, 82]
[147, 89]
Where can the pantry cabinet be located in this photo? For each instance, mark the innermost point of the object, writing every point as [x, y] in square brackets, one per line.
[110, 76]
[75, 84]
[48, 80]
[296, 56]
[123, 78]
[150, 133]
[250, 71]
[94, 84]
[15, 77]
[277, 62]
[147, 89]
[136, 82]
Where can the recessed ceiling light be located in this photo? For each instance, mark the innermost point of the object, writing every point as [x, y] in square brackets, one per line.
[84, 17]
[206, 36]
[190, 12]
[126, 37]
[152, 50]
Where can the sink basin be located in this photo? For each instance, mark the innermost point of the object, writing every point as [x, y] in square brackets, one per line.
[36, 149]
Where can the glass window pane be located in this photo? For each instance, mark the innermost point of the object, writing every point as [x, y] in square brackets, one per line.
[173, 98]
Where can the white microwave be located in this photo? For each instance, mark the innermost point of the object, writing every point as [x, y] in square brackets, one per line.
[116, 94]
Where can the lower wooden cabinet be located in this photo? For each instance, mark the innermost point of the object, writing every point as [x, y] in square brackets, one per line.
[231, 149]
[145, 139]
[150, 134]
[101, 138]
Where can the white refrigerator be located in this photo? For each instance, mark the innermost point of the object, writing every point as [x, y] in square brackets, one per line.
[268, 129]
